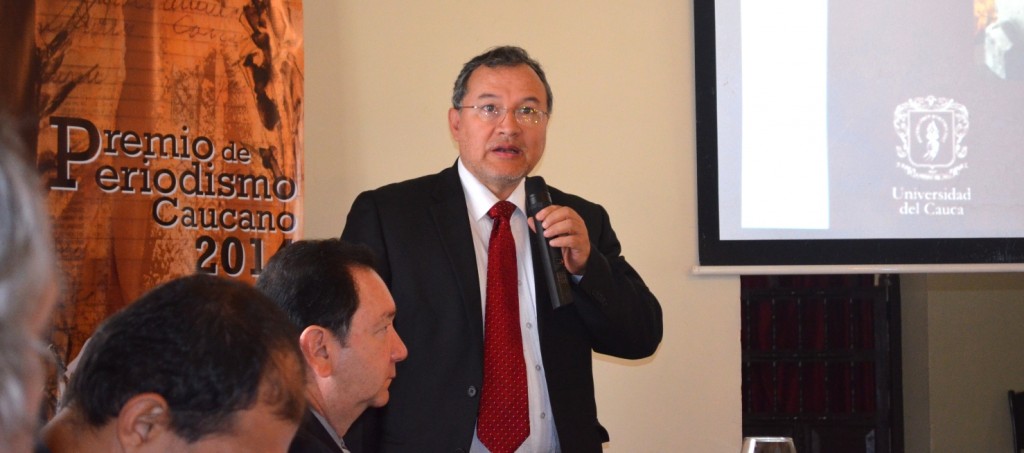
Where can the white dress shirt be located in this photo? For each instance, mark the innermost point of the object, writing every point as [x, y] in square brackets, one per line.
[543, 436]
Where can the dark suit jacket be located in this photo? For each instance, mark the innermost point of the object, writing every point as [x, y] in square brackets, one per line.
[420, 232]
[312, 437]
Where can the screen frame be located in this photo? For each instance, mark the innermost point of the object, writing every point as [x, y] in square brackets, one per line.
[851, 253]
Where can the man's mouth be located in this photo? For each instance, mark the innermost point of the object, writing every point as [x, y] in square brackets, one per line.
[506, 150]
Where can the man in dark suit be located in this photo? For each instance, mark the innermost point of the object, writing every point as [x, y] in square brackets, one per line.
[432, 236]
[330, 291]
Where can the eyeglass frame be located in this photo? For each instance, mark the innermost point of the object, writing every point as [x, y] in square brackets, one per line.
[500, 113]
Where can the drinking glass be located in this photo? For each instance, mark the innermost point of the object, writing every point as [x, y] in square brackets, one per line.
[768, 445]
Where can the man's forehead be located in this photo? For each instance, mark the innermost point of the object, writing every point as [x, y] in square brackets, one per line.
[257, 429]
[490, 81]
[376, 308]
[374, 298]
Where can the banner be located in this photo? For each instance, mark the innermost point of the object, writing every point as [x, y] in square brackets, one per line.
[170, 139]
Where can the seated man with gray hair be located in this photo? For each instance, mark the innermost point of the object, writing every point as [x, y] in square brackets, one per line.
[28, 293]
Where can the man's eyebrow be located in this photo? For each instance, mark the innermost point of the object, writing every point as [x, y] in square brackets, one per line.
[528, 99]
[487, 96]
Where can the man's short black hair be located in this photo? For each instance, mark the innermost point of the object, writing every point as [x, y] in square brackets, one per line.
[312, 282]
[209, 346]
[504, 56]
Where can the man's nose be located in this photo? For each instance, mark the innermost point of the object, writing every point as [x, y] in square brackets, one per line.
[398, 349]
[509, 124]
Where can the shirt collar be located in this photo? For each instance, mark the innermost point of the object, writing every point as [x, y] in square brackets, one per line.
[330, 429]
[480, 199]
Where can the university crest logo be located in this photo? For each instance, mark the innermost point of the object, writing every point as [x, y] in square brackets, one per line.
[932, 130]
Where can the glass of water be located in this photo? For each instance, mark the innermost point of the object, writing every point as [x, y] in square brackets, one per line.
[768, 445]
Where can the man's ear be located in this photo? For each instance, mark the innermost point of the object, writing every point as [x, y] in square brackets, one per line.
[142, 420]
[316, 350]
[454, 122]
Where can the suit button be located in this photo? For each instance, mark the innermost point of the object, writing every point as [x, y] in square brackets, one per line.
[471, 391]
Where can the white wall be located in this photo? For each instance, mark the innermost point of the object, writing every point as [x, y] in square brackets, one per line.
[962, 351]
[378, 83]
[915, 352]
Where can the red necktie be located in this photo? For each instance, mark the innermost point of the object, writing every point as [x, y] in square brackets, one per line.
[503, 422]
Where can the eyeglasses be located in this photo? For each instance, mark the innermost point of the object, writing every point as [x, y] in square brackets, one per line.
[526, 116]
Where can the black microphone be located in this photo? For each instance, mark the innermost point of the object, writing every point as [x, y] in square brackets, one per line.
[555, 273]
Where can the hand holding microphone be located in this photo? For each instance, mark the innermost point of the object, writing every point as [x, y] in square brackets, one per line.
[569, 232]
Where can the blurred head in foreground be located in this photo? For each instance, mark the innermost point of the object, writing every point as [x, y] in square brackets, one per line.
[199, 364]
[28, 293]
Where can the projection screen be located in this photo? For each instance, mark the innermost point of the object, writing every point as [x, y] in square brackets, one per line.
[862, 135]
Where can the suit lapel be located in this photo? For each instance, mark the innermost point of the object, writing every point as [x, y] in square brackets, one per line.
[451, 219]
[317, 430]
